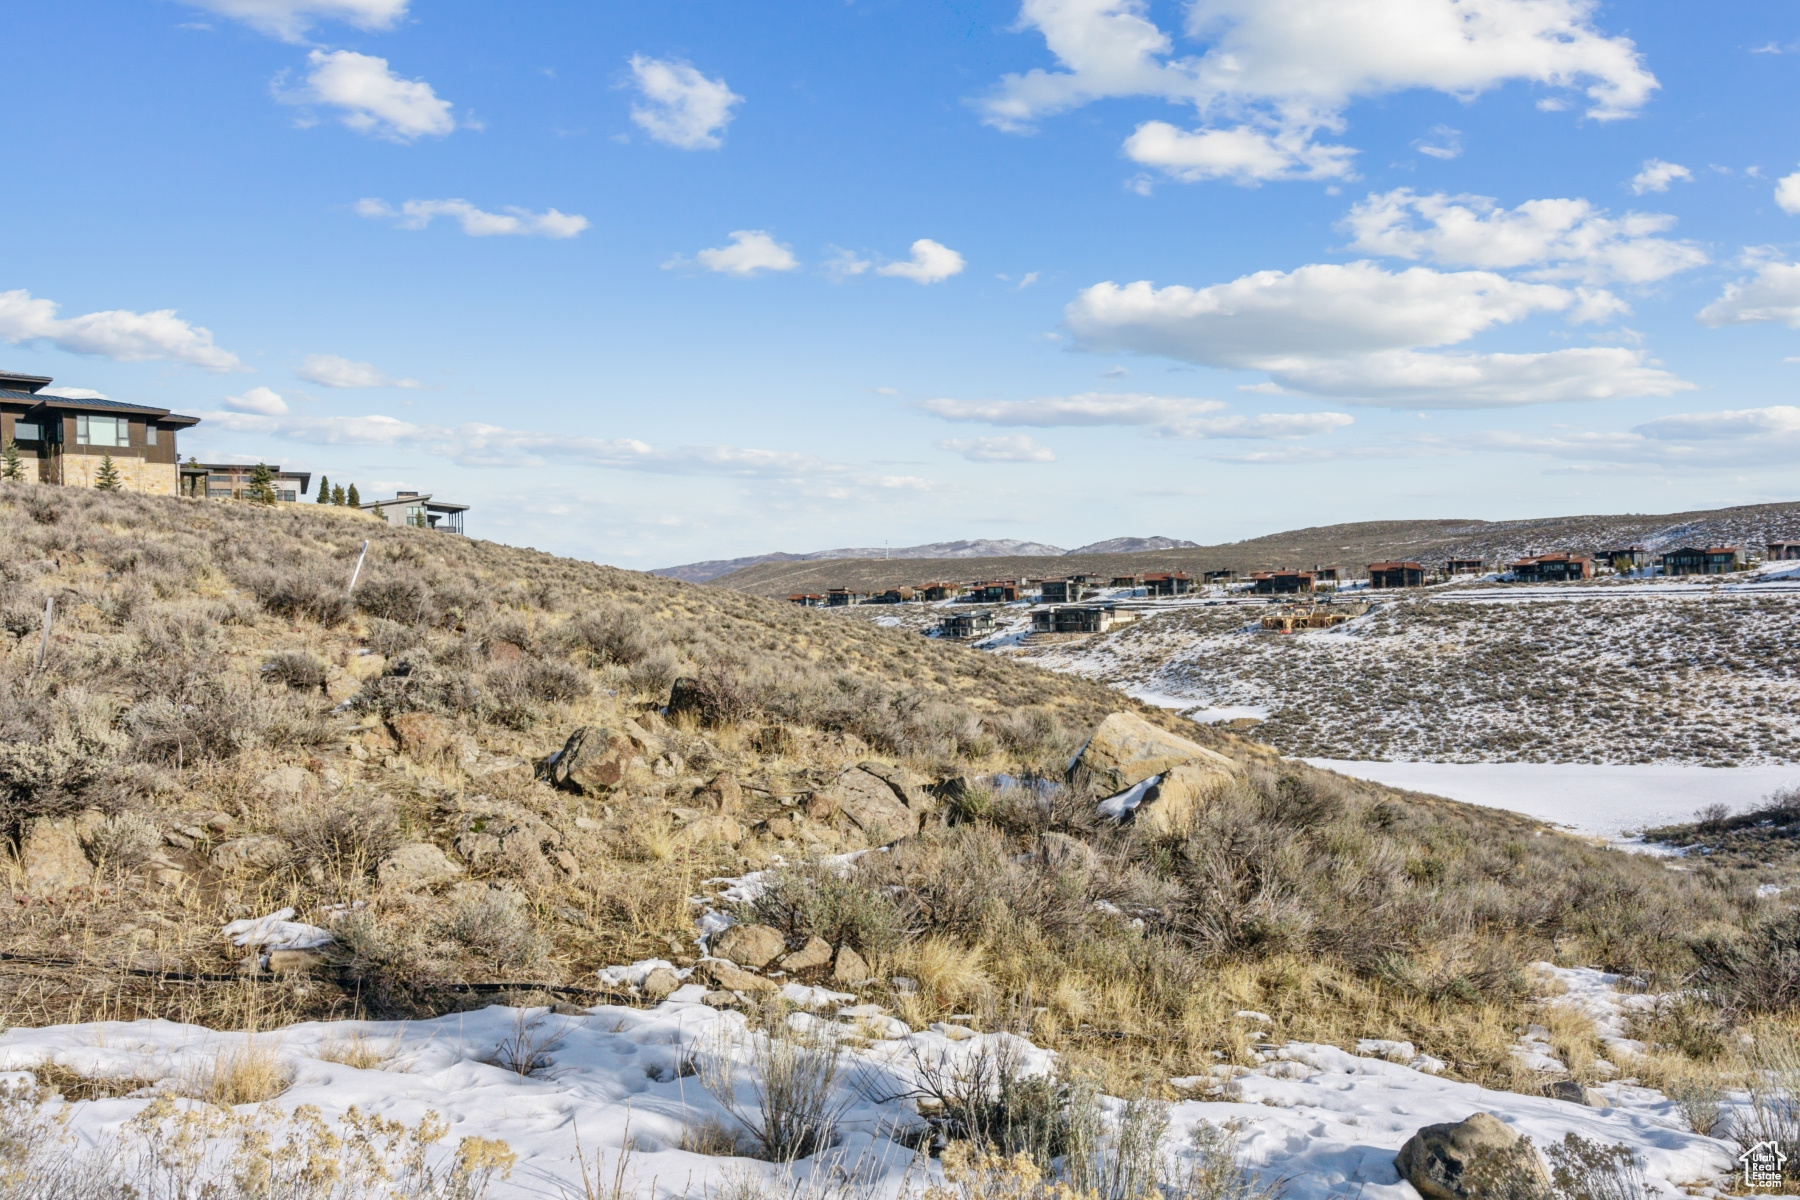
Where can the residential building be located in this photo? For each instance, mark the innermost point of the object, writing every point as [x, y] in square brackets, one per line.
[1711, 560]
[231, 481]
[934, 592]
[1061, 591]
[999, 591]
[1782, 551]
[1625, 558]
[842, 597]
[1282, 583]
[1325, 575]
[1465, 566]
[807, 599]
[966, 625]
[1078, 618]
[1396, 575]
[1176, 584]
[1553, 568]
[899, 595]
[64, 441]
[418, 509]
[1128, 581]
[1226, 576]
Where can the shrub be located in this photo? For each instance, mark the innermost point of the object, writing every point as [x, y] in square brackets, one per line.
[799, 1095]
[348, 840]
[123, 840]
[718, 695]
[820, 900]
[402, 598]
[300, 592]
[295, 669]
[1757, 971]
[496, 928]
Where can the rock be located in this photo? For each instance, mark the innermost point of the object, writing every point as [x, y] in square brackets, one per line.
[365, 666]
[1060, 852]
[750, 945]
[288, 785]
[594, 759]
[429, 738]
[416, 865]
[1185, 790]
[1574, 1093]
[566, 863]
[647, 743]
[171, 867]
[723, 794]
[258, 852]
[503, 654]
[1435, 1159]
[1126, 749]
[51, 857]
[477, 847]
[340, 685]
[850, 967]
[873, 806]
[714, 829]
[660, 983]
[88, 822]
[821, 806]
[815, 954]
[288, 962]
[779, 827]
[724, 975]
[721, 1000]
[912, 789]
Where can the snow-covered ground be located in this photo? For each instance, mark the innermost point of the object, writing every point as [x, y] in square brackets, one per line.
[1609, 801]
[1327, 1121]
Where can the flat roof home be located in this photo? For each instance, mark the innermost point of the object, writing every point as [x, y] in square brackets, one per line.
[1282, 583]
[842, 597]
[966, 625]
[1219, 576]
[418, 509]
[1168, 584]
[1782, 551]
[1710, 560]
[1130, 581]
[998, 591]
[1061, 591]
[64, 441]
[807, 599]
[940, 590]
[1626, 558]
[899, 595]
[1396, 575]
[1078, 618]
[1464, 566]
[231, 481]
[1553, 568]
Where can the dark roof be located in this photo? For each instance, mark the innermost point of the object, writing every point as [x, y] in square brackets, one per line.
[62, 403]
[12, 377]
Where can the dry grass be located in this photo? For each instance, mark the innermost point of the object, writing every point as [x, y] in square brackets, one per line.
[360, 1051]
[250, 1073]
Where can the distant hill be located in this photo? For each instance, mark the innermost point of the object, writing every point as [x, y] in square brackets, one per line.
[1349, 547]
[705, 572]
[1134, 545]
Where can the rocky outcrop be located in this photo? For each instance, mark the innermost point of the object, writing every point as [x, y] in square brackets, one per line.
[850, 968]
[1171, 804]
[1574, 1092]
[593, 760]
[750, 945]
[1436, 1160]
[660, 983]
[873, 802]
[1126, 750]
[734, 979]
[810, 957]
[416, 865]
[51, 858]
[258, 852]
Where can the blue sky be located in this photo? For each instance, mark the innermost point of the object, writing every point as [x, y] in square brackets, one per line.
[657, 282]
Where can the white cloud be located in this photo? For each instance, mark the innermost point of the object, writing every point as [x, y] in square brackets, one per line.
[116, 334]
[1168, 416]
[514, 222]
[374, 100]
[931, 262]
[1731, 439]
[260, 400]
[1444, 142]
[1277, 72]
[1354, 332]
[329, 370]
[73, 393]
[1787, 193]
[1013, 447]
[290, 19]
[751, 250]
[1772, 294]
[1657, 175]
[1564, 239]
[846, 265]
[681, 106]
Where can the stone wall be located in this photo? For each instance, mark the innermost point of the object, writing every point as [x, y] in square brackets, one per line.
[135, 475]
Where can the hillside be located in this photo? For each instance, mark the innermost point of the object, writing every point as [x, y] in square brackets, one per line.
[357, 787]
[705, 572]
[1351, 546]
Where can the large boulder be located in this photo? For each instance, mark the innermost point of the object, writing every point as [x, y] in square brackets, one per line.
[1436, 1160]
[724, 794]
[871, 804]
[1126, 750]
[416, 865]
[730, 978]
[849, 968]
[51, 857]
[594, 759]
[750, 945]
[1171, 804]
[913, 790]
[810, 957]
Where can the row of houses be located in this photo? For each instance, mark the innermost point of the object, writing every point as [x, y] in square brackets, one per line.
[1071, 589]
[1571, 567]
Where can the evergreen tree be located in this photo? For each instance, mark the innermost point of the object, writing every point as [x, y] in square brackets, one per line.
[324, 490]
[107, 477]
[11, 467]
[351, 498]
[337, 495]
[262, 485]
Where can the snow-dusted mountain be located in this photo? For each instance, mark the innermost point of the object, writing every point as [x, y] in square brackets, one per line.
[701, 572]
[1131, 545]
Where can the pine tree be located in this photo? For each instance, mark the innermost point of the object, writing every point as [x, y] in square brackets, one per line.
[10, 465]
[107, 477]
[324, 490]
[262, 485]
[337, 495]
[351, 498]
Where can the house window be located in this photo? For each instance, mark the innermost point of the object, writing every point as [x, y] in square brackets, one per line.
[102, 431]
[149, 434]
[286, 496]
[24, 431]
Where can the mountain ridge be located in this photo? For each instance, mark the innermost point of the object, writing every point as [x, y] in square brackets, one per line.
[711, 569]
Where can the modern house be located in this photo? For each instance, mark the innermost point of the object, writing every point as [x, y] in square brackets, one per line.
[419, 509]
[1325, 575]
[899, 595]
[1282, 583]
[1128, 581]
[1465, 566]
[807, 599]
[842, 597]
[1626, 558]
[1711, 560]
[231, 481]
[1061, 591]
[966, 625]
[1782, 551]
[1219, 576]
[1396, 575]
[1176, 584]
[1078, 618]
[64, 441]
[934, 592]
[999, 591]
[1553, 568]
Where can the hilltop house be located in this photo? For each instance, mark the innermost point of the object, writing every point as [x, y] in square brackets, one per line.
[64, 441]
[1061, 591]
[1782, 551]
[807, 599]
[1225, 576]
[1553, 568]
[1396, 575]
[841, 597]
[999, 591]
[231, 481]
[1128, 581]
[412, 508]
[1282, 583]
[966, 625]
[1078, 618]
[1712, 560]
[934, 592]
[899, 595]
[1625, 558]
[1465, 566]
[1176, 584]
